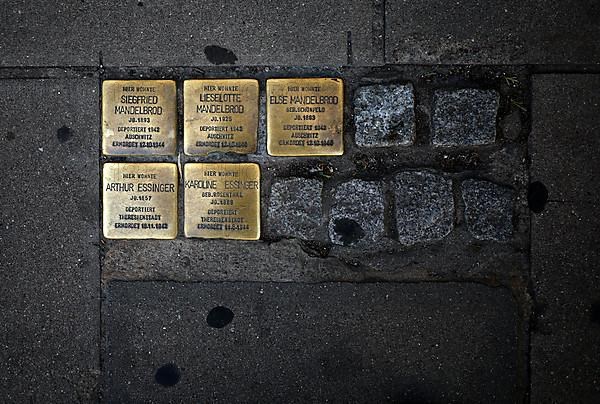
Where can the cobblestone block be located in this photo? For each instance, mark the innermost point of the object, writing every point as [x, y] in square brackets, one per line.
[384, 115]
[488, 210]
[424, 206]
[464, 117]
[295, 208]
[357, 214]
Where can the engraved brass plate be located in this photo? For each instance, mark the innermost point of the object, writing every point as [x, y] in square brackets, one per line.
[139, 117]
[139, 200]
[305, 117]
[222, 200]
[220, 116]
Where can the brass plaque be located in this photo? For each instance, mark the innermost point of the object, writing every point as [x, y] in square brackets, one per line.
[139, 117]
[305, 117]
[139, 200]
[220, 116]
[222, 200]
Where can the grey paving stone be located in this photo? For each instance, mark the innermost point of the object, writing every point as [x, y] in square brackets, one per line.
[565, 260]
[488, 210]
[49, 266]
[356, 217]
[424, 206]
[565, 338]
[336, 342]
[384, 115]
[509, 32]
[295, 208]
[179, 33]
[565, 136]
[465, 117]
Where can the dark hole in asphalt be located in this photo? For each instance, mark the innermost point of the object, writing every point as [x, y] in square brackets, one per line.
[537, 196]
[219, 317]
[63, 134]
[140, 3]
[10, 136]
[595, 312]
[349, 230]
[219, 56]
[168, 375]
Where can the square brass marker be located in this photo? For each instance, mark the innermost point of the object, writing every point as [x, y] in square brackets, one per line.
[139, 117]
[305, 117]
[139, 200]
[220, 116]
[222, 200]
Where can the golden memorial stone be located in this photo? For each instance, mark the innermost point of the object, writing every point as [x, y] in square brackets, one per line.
[220, 115]
[222, 200]
[139, 200]
[139, 117]
[305, 117]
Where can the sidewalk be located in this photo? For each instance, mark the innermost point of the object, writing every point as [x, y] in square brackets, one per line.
[420, 266]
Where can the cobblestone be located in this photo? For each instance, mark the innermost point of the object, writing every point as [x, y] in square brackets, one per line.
[357, 214]
[295, 208]
[465, 117]
[488, 210]
[424, 206]
[384, 115]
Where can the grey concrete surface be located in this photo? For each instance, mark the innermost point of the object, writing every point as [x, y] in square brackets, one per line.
[183, 33]
[49, 267]
[565, 337]
[566, 329]
[492, 32]
[565, 136]
[302, 343]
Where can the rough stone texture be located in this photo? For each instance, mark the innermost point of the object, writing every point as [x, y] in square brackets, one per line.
[507, 32]
[295, 208]
[565, 136]
[565, 259]
[488, 210]
[465, 117]
[49, 267]
[384, 115]
[182, 33]
[313, 343]
[294, 260]
[356, 217]
[424, 206]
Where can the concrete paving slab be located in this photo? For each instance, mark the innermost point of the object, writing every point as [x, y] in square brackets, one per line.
[565, 337]
[249, 342]
[498, 32]
[182, 33]
[49, 266]
[565, 136]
